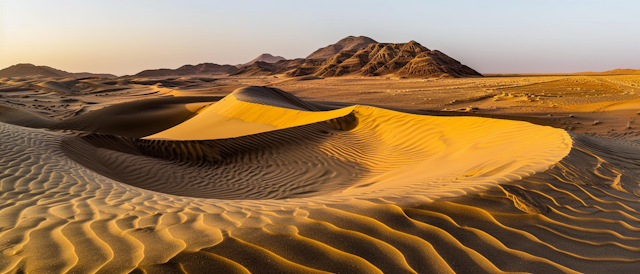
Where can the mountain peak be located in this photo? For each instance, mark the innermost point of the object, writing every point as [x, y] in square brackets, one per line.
[27, 69]
[265, 57]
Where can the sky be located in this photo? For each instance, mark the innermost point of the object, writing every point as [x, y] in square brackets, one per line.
[125, 37]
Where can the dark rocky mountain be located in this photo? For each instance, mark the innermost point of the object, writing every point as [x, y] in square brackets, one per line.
[401, 60]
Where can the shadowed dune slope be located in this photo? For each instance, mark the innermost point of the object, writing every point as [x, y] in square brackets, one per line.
[352, 190]
[138, 118]
[132, 119]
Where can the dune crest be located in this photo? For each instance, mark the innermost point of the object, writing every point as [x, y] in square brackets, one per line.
[231, 117]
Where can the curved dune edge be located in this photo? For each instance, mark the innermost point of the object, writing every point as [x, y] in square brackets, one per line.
[132, 119]
[578, 214]
[342, 154]
[231, 117]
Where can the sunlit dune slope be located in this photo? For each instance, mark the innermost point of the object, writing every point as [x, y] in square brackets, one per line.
[262, 110]
[352, 190]
[350, 150]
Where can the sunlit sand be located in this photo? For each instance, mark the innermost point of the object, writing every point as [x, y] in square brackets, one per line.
[146, 177]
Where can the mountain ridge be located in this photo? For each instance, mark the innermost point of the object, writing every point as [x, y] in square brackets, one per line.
[199, 69]
[350, 56]
[27, 70]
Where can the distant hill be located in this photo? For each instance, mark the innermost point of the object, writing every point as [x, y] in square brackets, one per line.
[200, 69]
[265, 57]
[348, 44]
[27, 70]
[615, 71]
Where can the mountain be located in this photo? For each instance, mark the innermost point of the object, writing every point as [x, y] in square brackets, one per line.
[200, 69]
[26, 70]
[265, 57]
[410, 60]
[357, 56]
[348, 44]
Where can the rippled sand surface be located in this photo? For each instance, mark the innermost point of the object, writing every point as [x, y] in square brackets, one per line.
[264, 182]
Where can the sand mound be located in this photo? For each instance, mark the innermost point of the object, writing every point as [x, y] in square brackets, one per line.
[55, 87]
[351, 190]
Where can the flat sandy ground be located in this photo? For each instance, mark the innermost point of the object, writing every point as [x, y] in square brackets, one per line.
[303, 175]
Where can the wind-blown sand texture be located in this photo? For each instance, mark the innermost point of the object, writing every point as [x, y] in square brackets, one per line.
[287, 185]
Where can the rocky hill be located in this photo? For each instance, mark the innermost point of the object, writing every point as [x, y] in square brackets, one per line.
[401, 60]
[200, 69]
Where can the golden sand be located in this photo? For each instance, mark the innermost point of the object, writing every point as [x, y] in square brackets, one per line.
[264, 182]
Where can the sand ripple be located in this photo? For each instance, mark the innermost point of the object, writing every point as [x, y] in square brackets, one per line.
[370, 191]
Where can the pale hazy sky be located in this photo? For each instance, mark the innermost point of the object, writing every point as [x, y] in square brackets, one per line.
[125, 37]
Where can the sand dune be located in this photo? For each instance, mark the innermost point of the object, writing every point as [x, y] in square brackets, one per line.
[283, 187]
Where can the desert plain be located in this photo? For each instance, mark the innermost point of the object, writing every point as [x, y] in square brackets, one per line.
[275, 173]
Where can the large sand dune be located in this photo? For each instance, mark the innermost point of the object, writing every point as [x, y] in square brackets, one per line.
[263, 182]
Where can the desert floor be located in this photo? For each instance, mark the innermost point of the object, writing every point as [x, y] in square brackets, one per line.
[269, 174]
